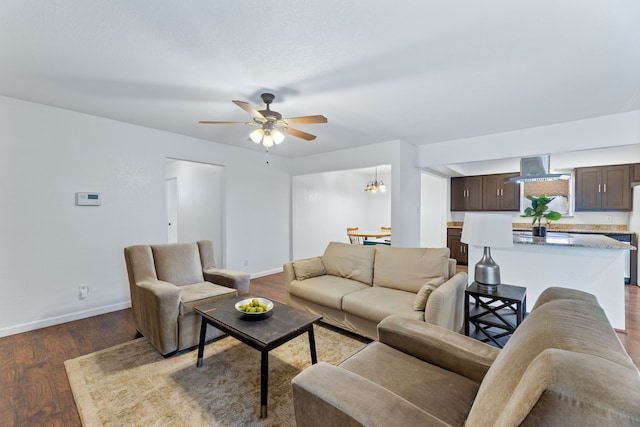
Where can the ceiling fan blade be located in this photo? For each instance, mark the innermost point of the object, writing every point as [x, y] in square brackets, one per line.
[249, 109]
[209, 122]
[299, 134]
[306, 120]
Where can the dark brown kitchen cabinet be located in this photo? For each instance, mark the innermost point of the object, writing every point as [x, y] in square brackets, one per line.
[466, 193]
[458, 250]
[498, 195]
[635, 172]
[603, 188]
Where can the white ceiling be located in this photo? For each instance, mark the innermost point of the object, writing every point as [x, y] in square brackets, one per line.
[422, 71]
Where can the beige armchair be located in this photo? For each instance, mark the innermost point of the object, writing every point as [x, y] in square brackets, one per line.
[167, 281]
[563, 366]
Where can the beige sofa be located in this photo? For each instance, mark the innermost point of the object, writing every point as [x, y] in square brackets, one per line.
[167, 281]
[354, 287]
[563, 366]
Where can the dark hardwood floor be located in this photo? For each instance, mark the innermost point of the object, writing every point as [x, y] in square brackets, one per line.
[34, 390]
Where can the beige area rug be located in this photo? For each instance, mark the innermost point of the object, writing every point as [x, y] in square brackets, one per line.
[132, 384]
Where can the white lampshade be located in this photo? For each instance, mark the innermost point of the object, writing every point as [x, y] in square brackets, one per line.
[256, 135]
[487, 229]
[277, 136]
[267, 140]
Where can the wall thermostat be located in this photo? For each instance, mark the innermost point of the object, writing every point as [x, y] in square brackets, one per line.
[88, 199]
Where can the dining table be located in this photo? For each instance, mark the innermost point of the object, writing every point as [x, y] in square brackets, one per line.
[371, 234]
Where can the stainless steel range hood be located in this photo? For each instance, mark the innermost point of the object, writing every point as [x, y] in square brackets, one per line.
[536, 169]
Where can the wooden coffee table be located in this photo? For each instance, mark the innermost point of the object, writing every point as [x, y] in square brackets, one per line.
[263, 332]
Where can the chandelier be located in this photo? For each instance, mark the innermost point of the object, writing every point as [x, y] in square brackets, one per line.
[375, 185]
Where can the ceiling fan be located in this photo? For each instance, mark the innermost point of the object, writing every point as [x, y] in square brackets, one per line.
[271, 123]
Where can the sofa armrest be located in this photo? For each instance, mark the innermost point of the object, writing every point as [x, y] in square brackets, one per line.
[327, 395]
[445, 306]
[156, 313]
[230, 278]
[438, 346]
[453, 263]
[555, 293]
[289, 276]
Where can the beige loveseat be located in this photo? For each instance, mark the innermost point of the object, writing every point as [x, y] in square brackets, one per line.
[167, 281]
[354, 287]
[563, 366]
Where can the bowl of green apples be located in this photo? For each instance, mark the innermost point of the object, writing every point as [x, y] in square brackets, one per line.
[254, 306]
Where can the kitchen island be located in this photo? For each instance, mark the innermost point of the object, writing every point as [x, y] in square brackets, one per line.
[592, 263]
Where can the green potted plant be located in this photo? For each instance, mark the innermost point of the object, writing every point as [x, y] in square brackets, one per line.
[539, 209]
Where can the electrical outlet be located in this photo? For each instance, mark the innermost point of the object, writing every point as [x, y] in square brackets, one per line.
[83, 291]
[609, 218]
[246, 262]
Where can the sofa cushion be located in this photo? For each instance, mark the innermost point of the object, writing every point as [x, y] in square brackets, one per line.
[408, 269]
[350, 261]
[376, 303]
[307, 268]
[202, 293]
[178, 263]
[327, 290]
[572, 325]
[441, 393]
[420, 301]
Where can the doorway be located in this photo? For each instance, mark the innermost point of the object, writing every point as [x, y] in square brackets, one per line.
[195, 204]
[325, 204]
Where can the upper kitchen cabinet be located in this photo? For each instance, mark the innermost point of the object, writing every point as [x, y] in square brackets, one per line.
[603, 188]
[635, 172]
[499, 195]
[466, 193]
[485, 193]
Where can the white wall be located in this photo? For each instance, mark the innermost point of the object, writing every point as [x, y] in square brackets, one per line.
[405, 181]
[325, 204]
[606, 131]
[433, 211]
[200, 202]
[49, 246]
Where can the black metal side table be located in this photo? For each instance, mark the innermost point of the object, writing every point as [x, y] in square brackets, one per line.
[494, 313]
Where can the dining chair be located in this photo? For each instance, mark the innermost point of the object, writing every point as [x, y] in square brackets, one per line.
[387, 241]
[355, 240]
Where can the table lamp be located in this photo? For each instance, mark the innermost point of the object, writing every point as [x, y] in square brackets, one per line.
[487, 229]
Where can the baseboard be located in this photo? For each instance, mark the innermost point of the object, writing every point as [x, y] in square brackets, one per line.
[266, 273]
[70, 317]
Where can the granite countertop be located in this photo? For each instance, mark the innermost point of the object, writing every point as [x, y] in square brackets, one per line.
[569, 239]
[566, 228]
